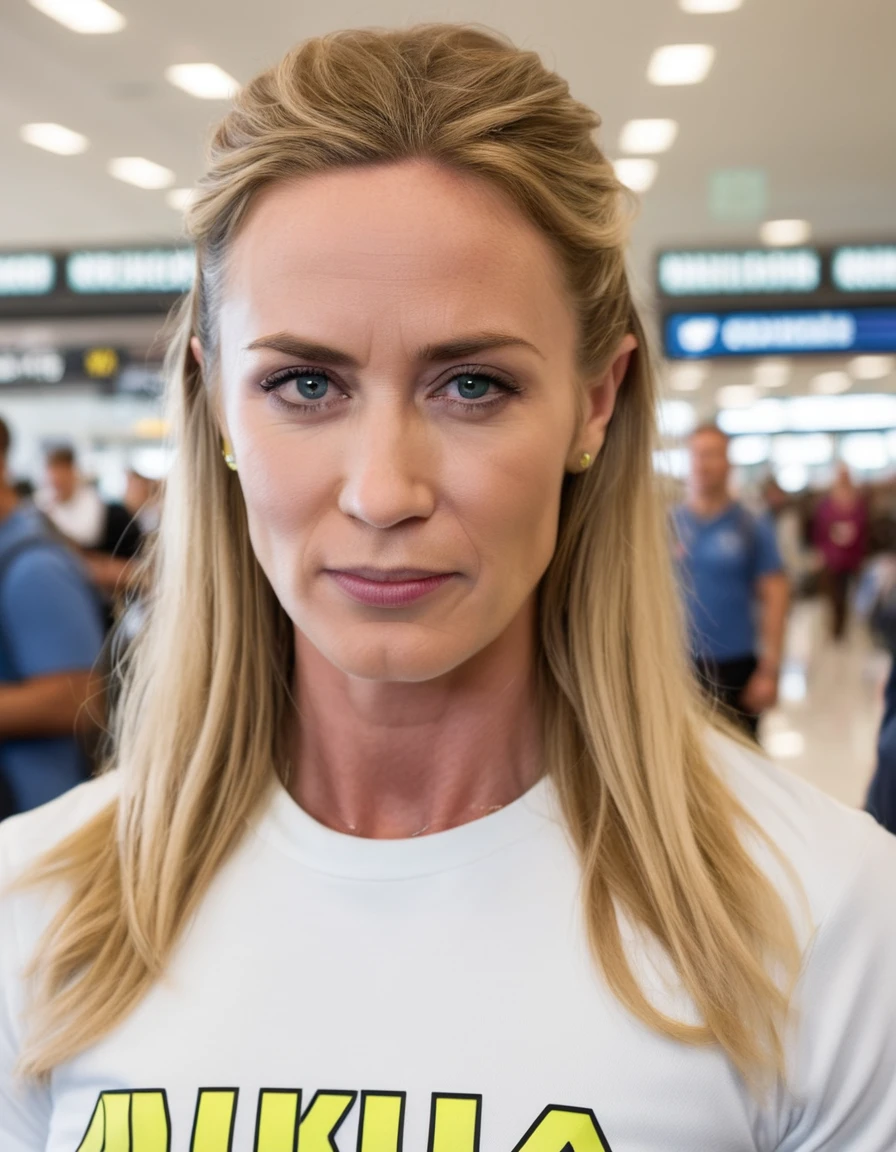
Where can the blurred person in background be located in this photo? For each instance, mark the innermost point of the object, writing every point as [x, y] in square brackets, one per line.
[734, 584]
[51, 634]
[840, 533]
[108, 534]
[72, 505]
[789, 531]
[143, 500]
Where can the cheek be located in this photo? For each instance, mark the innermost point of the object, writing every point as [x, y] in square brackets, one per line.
[284, 495]
[509, 501]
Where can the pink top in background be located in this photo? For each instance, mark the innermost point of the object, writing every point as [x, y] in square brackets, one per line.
[840, 533]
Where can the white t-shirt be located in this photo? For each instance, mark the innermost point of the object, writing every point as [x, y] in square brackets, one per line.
[82, 518]
[437, 995]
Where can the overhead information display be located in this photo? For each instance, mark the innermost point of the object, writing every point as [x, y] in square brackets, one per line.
[777, 301]
[864, 269]
[27, 273]
[132, 271]
[697, 335]
[95, 281]
[759, 271]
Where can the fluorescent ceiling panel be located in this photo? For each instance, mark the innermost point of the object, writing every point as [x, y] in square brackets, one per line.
[91, 17]
[141, 172]
[636, 174]
[647, 137]
[54, 138]
[783, 233]
[204, 81]
[680, 64]
[705, 7]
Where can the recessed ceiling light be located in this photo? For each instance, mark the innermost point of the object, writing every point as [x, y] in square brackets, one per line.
[636, 174]
[830, 383]
[771, 373]
[702, 6]
[88, 16]
[144, 173]
[180, 199]
[680, 64]
[647, 137]
[54, 138]
[206, 81]
[687, 377]
[872, 367]
[736, 396]
[783, 233]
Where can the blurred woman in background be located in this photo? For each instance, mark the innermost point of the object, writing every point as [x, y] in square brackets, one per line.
[841, 535]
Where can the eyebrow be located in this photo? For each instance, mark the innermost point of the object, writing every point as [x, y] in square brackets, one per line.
[300, 348]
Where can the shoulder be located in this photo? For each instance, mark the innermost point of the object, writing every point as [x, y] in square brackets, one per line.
[831, 850]
[44, 571]
[24, 838]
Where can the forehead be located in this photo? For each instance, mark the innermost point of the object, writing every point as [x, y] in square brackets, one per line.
[395, 245]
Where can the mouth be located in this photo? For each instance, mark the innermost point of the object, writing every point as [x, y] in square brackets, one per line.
[389, 575]
[387, 587]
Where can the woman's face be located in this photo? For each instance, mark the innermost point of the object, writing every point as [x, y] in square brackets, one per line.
[398, 381]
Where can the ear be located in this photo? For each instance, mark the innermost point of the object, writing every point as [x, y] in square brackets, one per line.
[600, 401]
[196, 349]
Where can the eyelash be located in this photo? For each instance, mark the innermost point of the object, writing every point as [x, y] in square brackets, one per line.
[273, 383]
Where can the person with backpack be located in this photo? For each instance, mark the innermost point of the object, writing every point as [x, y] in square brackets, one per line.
[734, 585]
[51, 635]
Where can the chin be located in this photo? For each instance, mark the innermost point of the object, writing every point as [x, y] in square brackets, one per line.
[401, 653]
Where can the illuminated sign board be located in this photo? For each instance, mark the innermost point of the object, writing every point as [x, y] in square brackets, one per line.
[739, 273]
[46, 366]
[698, 335]
[786, 277]
[864, 268]
[131, 271]
[95, 282]
[27, 273]
[110, 368]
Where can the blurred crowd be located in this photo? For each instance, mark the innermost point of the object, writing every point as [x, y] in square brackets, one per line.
[70, 600]
[743, 558]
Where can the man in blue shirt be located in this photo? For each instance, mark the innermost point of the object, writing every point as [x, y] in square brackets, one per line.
[734, 586]
[51, 634]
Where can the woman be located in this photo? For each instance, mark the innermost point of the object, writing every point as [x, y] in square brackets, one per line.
[840, 533]
[418, 837]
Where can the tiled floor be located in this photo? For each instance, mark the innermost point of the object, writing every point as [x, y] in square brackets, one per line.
[826, 725]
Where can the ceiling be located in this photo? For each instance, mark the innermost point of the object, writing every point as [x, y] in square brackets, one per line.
[801, 89]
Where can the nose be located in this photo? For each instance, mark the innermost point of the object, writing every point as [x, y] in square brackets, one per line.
[388, 470]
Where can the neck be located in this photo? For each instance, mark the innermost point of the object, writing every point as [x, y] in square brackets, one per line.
[389, 760]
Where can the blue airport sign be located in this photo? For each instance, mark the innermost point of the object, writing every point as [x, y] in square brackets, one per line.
[707, 335]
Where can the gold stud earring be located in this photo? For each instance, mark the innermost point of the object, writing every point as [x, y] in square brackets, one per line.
[227, 453]
[585, 461]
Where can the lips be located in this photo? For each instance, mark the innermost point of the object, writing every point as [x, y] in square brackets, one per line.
[387, 587]
[388, 575]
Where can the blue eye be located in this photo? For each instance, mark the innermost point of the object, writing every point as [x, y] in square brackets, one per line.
[472, 385]
[312, 385]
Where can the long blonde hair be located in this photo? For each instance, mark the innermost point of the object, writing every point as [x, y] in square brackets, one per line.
[200, 729]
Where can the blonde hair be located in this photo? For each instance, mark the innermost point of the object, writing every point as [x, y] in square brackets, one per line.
[200, 730]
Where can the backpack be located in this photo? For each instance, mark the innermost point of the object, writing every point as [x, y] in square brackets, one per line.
[52, 541]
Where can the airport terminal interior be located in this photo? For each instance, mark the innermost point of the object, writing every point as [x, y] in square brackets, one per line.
[380, 925]
[756, 136]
